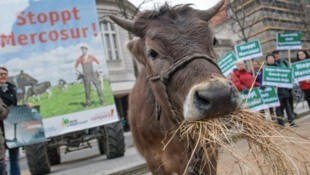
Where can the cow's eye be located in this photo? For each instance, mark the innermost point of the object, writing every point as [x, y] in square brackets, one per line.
[153, 54]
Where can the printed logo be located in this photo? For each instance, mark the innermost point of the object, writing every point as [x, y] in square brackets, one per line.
[103, 116]
[66, 122]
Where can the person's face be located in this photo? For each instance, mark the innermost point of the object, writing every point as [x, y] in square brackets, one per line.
[3, 76]
[277, 56]
[301, 55]
[270, 60]
[255, 65]
[240, 66]
[84, 50]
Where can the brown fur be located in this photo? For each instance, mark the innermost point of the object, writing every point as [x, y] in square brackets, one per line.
[173, 33]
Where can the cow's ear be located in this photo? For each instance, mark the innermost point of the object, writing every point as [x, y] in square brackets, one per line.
[137, 49]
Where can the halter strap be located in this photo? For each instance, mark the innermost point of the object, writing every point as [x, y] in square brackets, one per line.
[165, 76]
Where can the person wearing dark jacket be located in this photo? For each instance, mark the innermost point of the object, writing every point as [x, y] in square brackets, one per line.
[284, 96]
[304, 85]
[8, 95]
[283, 63]
[242, 79]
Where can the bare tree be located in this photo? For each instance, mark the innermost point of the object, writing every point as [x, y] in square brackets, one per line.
[130, 15]
[241, 24]
[124, 10]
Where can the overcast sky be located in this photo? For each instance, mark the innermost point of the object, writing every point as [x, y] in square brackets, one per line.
[199, 4]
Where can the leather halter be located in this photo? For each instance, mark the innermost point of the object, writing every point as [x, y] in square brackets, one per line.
[165, 76]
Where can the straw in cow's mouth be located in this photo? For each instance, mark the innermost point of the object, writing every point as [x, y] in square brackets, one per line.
[270, 145]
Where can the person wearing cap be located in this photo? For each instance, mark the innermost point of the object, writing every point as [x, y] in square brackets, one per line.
[89, 75]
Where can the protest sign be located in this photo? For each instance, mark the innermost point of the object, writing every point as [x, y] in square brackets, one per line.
[301, 70]
[288, 41]
[269, 97]
[253, 100]
[278, 76]
[44, 45]
[227, 63]
[23, 126]
[249, 50]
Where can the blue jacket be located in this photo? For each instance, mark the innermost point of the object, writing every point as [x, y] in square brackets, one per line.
[259, 76]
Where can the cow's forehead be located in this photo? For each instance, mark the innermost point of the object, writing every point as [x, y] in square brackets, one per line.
[163, 17]
[156, 29]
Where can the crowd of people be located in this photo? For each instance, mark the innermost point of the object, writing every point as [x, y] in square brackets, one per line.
[244, 80]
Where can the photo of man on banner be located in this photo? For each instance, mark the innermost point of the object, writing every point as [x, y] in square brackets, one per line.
[89, 75]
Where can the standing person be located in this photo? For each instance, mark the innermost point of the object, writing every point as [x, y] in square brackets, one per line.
[257, 73]
[280, 61]
[3, 114]
[242, 79]
[284, 96]
[259, 79]
[8, 95]
[304, 85]
[283, 63]
[89, 75]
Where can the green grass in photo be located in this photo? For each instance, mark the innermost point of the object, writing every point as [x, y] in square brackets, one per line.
[71, 101]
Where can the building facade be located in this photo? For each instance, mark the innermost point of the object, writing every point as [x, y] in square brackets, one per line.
[119, 59]
[263, 19]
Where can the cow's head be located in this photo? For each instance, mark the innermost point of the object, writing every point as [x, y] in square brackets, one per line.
[25, 79]
[175, 46]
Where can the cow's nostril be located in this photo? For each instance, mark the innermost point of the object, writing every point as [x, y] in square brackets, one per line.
[215, 100]
[202, 99]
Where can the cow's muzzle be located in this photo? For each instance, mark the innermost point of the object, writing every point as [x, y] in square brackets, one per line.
[211, 99]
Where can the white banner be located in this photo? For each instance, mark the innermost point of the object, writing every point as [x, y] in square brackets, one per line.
[79, 121]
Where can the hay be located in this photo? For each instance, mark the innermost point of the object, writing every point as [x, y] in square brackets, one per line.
[272, 149]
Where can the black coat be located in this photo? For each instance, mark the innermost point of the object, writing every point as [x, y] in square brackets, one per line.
[9, 98]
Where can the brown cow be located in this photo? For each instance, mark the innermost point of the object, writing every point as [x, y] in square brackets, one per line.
[176, 83]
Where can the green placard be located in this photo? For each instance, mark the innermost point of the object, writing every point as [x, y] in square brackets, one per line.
[253, 100]
[288, 41]
[228, 63]
[301, 70]
[278, 76]
[249, 50]
[269, 96]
